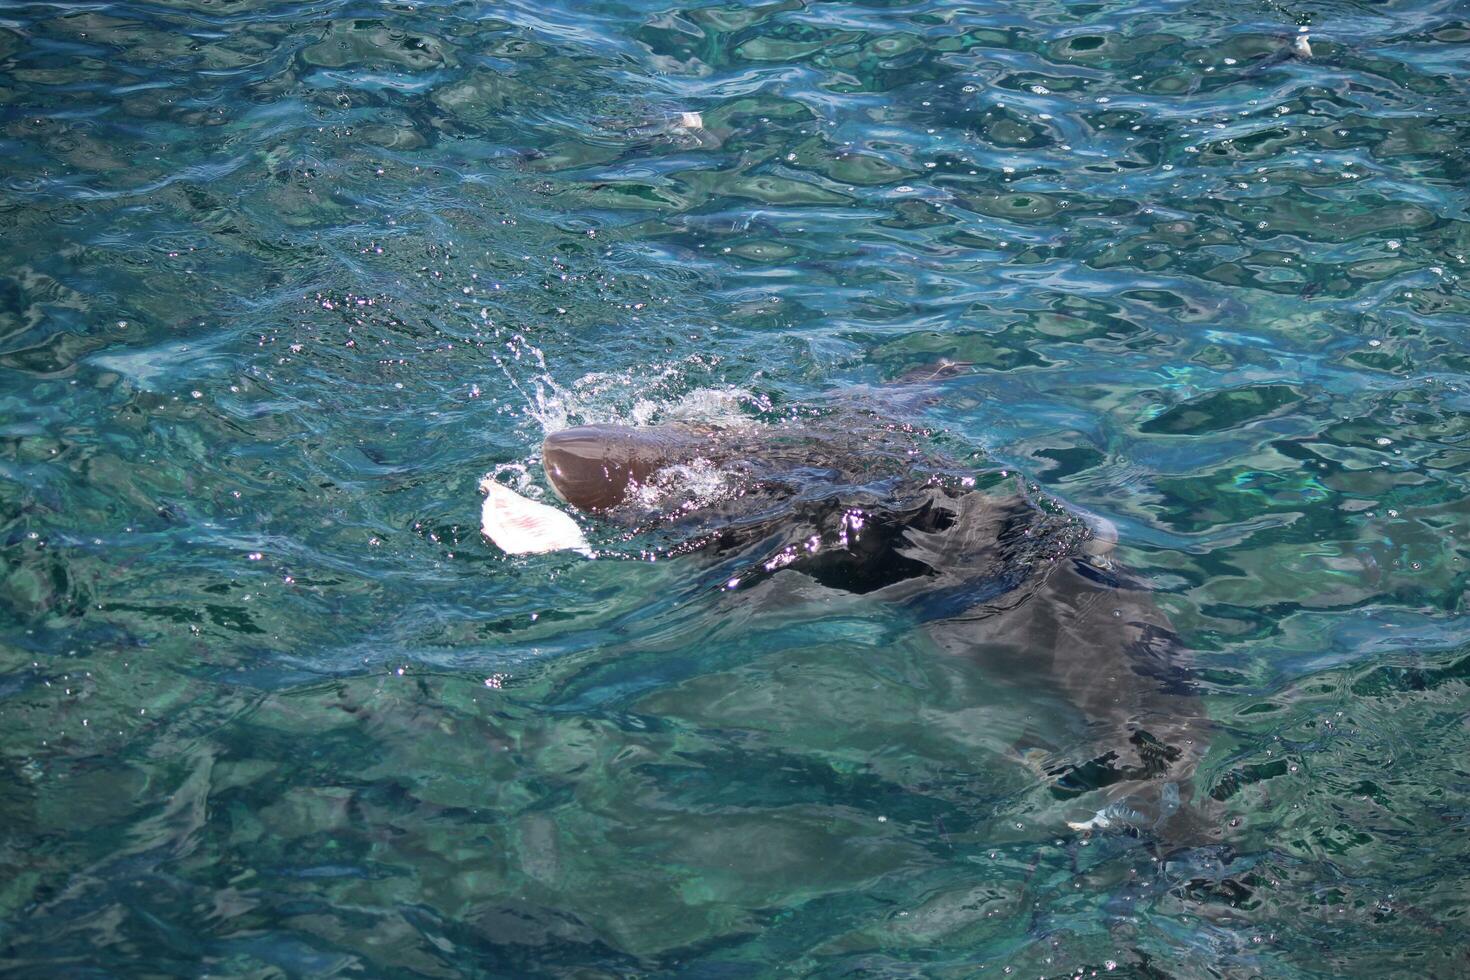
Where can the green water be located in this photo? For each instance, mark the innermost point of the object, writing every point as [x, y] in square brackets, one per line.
[281, 282]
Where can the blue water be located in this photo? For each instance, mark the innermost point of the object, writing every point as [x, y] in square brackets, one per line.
[281, 282]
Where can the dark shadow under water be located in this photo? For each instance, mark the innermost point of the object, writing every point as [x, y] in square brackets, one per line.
[857, 515]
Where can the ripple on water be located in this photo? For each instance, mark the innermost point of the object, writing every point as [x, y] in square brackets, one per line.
[284, 281]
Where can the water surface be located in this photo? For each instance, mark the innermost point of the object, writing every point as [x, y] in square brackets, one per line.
[280, 282]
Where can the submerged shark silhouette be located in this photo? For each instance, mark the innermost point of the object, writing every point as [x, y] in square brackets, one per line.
[992, 571]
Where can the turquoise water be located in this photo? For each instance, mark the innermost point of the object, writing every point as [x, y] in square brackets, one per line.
[281, 282]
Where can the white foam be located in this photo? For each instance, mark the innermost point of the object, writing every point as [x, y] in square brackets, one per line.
[633, 398]
[711, 406]
[685, 486]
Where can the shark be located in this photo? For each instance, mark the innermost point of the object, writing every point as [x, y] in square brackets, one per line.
[855, 506]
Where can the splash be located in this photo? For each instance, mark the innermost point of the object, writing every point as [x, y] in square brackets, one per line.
[686, 487]
[647, 397]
